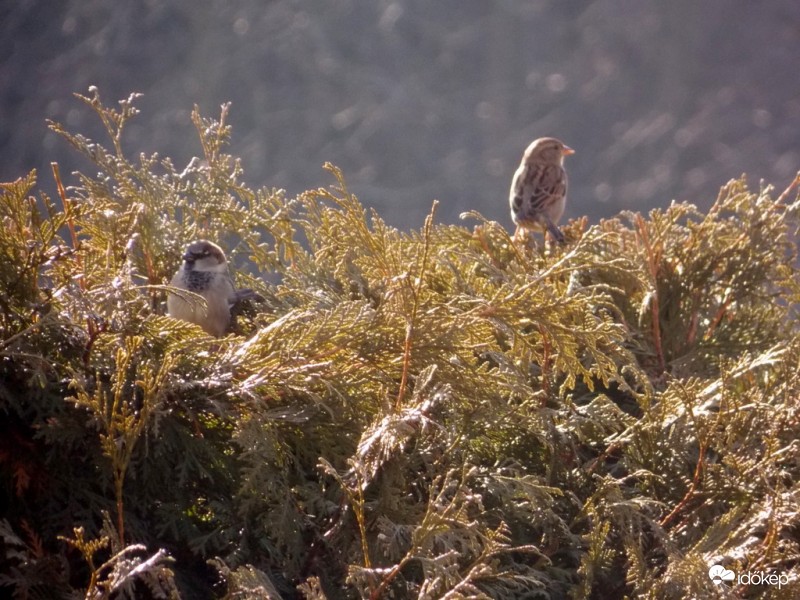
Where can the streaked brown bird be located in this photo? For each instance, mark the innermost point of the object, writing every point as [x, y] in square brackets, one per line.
[539, 187]
[205, 272]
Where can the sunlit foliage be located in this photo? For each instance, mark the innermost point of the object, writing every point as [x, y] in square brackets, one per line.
[437, 413]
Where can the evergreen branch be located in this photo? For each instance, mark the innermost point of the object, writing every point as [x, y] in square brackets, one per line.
[412, 318]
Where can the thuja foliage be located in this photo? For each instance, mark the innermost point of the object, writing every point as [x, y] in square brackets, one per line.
[438, 413]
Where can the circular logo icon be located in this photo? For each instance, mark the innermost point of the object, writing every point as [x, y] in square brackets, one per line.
[718, 574]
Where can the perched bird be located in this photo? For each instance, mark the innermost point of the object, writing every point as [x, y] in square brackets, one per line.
[539, 188]
[205, 272]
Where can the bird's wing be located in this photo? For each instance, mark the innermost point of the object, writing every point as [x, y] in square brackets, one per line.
[230, 288]
[518, 187]
[244, 295]
[549, 182]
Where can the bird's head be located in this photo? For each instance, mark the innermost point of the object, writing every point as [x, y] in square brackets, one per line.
[547, 150]
[203, 255]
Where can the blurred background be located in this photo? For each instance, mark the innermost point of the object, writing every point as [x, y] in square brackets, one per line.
[417, 100]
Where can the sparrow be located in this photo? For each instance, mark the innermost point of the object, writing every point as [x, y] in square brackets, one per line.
[205, 272]
[539, 187]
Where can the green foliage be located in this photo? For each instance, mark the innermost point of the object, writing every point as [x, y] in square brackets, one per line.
[430, 414]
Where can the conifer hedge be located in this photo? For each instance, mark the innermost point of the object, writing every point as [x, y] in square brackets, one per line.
[437, 413]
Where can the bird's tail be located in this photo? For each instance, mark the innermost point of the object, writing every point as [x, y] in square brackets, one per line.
[554, 230]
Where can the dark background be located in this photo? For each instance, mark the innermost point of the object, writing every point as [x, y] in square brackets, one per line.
[422, 99]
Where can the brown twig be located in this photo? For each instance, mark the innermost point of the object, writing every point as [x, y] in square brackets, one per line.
[378, 592]
[67, 213]
[691, 335]
[417, 287]
[655, 308]
[699, 468]
[479, 235]
[613, 447]
[545, 362]
[788, 190]
[718, 317]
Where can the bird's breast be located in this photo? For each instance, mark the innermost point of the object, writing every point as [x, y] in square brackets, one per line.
[198, 281]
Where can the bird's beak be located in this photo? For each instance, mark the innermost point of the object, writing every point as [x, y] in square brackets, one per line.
[567, 151]
[188, 257]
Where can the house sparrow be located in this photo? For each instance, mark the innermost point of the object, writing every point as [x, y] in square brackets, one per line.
[539, 188]
[205, 272]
